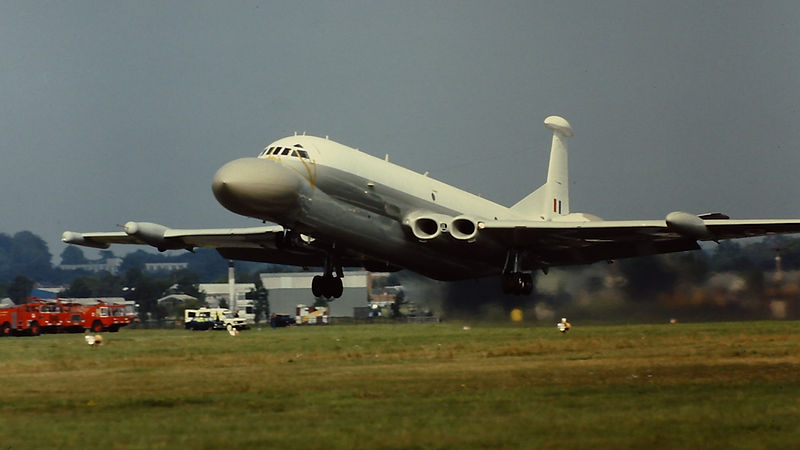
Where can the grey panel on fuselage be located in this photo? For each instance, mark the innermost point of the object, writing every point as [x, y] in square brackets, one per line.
[339, 210]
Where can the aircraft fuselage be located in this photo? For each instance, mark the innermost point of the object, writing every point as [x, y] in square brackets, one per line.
[352, 200]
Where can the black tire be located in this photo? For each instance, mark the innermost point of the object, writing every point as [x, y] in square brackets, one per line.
[337, 288]
[317, 286]
[35, 329]
[113, 328]
[97, 326]
[6, 330]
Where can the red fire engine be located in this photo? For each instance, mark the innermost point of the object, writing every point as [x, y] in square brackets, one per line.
[65, 315]
[96, 314]
[31, 318]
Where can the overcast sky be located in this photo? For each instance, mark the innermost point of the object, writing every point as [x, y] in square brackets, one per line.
[116, 111]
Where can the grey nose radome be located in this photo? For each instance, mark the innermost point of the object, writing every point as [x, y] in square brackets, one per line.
[257, 188]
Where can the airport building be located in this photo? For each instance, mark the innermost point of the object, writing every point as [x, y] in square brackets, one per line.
[110, 265]
[165, 266]
[215, 292]
[287, 290]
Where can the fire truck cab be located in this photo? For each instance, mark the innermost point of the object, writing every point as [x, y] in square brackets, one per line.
[29, 319]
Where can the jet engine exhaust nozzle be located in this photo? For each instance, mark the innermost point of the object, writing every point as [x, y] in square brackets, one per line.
[426, 226]
[464, 228]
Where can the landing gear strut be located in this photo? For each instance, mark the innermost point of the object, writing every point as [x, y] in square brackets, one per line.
[515, 281]
[327, 285]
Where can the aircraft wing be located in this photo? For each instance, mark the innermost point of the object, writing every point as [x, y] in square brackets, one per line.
[263, 244]
[171, 238]
[566, 243]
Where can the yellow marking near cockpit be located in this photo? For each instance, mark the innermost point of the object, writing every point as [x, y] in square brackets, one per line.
[309, 165]
[311, 171]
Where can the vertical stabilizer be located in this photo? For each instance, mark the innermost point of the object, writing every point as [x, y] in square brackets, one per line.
[551, 200]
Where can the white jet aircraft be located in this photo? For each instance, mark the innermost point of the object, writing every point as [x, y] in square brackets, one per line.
[338, 207]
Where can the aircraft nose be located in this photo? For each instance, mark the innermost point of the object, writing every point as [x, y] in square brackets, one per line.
[257, 188]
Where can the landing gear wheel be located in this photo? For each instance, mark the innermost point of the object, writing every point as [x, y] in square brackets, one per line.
[338, 288]
[517, 283]
[316, 286]
[327, 286]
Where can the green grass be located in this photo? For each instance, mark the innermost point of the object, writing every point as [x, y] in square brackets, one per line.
[717, 385]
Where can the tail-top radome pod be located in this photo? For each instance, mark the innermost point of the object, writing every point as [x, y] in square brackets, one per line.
[552, 198]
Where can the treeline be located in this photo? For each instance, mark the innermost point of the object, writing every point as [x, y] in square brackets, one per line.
[24, 254]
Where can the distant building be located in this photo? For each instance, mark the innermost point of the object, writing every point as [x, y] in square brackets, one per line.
[46, 292]
[165, 267]
[219, 291]
[216, 292]
[176, 298]
[110, 265]
[287, 290]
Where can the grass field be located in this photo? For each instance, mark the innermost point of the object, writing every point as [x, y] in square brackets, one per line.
[711, 385]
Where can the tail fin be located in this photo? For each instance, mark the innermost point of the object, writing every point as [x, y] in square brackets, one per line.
[552, 198]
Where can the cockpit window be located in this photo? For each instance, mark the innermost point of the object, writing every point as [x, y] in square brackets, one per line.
[295, 151]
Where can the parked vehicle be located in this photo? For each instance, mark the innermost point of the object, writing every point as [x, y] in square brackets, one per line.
[212, 318]
[65, 315]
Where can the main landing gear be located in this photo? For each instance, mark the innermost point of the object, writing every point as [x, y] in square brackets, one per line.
[327, 285]
[515, 281]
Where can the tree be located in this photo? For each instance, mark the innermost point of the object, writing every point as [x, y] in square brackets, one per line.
[146, 293]
[647, 276]
[103, 285]
[260, 298]
[399, 299]
[728, 256]
[20, 289]
[31, 255]
[73, 255]
[133, 276]
[24, 254]
[78, 289]
[690, 267]
[188, 283]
